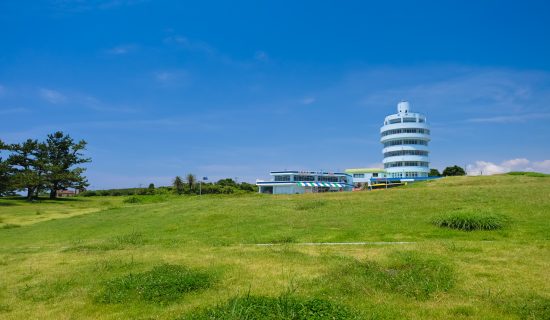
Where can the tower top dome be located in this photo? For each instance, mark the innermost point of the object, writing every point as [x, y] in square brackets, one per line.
[403, 107]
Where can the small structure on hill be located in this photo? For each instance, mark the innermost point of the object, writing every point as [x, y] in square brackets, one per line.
[67, 193]
[293, 182]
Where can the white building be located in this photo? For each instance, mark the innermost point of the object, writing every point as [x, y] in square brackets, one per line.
[405, 136]
[291, 182]
[362, 176]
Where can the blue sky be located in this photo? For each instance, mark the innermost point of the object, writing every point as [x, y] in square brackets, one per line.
[239, 88]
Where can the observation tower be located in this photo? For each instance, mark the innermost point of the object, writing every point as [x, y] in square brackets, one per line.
[405, 136]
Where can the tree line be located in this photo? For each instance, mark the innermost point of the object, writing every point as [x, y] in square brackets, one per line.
[42, 166]
[181, 186]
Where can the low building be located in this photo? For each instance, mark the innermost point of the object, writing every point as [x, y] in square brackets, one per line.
[365, 176]
[293, 182]
[67, 193]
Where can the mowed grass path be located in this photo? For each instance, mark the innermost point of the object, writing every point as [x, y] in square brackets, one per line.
[58, 258]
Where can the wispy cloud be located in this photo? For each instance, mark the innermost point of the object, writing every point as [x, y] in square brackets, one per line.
[83, 100]
[52, 96]
[7, 111]
[83, 5]
[518, 164]
[261, 56]
[172, 77]
[192, 45]
[122, 49]
[512, 118]
[308, 100]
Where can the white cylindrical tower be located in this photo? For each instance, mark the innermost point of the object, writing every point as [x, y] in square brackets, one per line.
[405, 136]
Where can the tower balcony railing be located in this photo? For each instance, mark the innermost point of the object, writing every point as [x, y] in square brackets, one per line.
[406, 147]
[400, 136]
[405, 158]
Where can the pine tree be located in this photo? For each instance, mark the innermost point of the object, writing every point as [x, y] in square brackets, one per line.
[63, 154]
[29, 162]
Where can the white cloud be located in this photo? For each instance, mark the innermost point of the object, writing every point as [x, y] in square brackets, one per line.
[122, 49]
[52, 96]
[519, 164]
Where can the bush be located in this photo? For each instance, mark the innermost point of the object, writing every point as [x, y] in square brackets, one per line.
[274, 308]
[132, 199]
[165, 283]
[470, 221]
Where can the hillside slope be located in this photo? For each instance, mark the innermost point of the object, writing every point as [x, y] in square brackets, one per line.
[62, 262]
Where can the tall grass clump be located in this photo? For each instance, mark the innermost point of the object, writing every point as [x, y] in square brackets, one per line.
[284, 307]
[411, 274]
[529, 174]
[163, 284]
[132, 199]
[310, 205]
[470, 221]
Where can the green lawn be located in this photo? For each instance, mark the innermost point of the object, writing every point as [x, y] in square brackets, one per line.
[170, 257]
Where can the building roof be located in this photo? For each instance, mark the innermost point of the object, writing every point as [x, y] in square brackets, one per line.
[309, 173]
[364, 170]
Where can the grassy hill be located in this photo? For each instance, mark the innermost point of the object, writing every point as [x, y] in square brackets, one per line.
[170, 257]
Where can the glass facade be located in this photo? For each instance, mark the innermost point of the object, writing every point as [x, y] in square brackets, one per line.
[406, 130]
[405, 153]
[405, 141]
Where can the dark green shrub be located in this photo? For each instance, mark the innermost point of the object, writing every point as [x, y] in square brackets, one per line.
[132, 199]
[470, 221]
[275, 308]
[454, 171]
[163, 284]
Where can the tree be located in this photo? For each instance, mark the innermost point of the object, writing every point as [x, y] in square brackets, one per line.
[434, 173]
[29, 160]
[227, 182]
[454, 171]
[63, 154]
[5, 172]
[178, 185]
[191, 180]
[151, 186]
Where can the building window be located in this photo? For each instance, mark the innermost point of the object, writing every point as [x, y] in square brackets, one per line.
[406, 141]
[358, 175]
[375, 175]
[327, 179]
[282, 178]
[304, 178]
[406, 153]
[406, 130]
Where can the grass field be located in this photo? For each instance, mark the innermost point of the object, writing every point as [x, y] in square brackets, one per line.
[191, 257]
